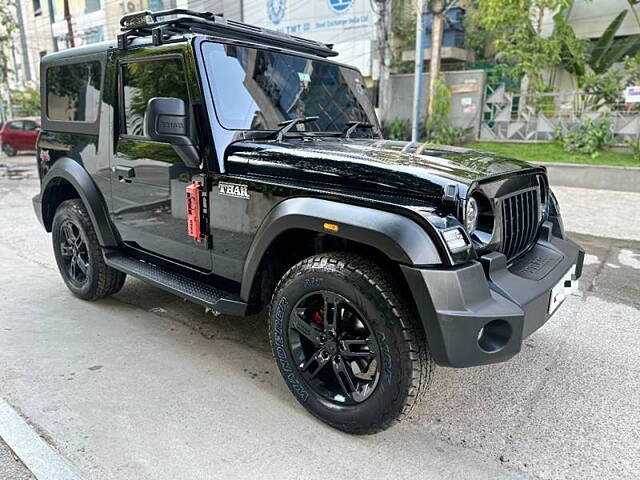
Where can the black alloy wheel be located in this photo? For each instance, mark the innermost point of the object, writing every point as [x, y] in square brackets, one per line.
[79, 255]
[75, 256]
[334, 347]
[347, 341]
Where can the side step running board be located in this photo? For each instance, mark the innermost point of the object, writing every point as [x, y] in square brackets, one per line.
[176, 283]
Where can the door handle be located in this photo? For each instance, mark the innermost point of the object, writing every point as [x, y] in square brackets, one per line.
[125, 174]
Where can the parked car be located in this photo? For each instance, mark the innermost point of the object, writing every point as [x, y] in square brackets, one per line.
[241, 169]
[19, 134]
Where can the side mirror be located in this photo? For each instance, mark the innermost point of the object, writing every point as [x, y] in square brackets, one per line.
[167, 120]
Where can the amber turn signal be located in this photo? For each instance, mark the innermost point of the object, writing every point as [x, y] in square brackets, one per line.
[331, 227]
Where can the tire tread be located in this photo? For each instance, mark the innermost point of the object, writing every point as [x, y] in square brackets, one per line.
[422, 365]
[109, 280]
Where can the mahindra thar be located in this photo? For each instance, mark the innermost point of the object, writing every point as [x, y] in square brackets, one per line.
[241, 169]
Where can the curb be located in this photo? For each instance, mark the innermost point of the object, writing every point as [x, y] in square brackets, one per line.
[600, 177]
[39, 458]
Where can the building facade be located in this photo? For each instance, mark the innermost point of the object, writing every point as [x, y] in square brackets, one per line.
[44, 29]
[347, 24]
[350, 25]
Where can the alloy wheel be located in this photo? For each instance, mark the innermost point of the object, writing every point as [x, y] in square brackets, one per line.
[334, 348]
[75, 255]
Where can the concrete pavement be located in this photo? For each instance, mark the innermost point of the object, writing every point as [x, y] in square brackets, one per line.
[146, 386]
[11, 468]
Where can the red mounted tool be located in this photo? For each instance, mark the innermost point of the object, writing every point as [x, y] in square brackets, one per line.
[194, 211]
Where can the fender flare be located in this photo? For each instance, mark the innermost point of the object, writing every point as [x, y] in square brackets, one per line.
[398, 237]
[71, 171]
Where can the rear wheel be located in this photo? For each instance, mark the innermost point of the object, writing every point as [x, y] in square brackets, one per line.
[9, 150]
[347, 342]
[79, 256]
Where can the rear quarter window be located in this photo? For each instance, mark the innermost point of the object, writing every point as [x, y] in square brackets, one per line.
[73, 92]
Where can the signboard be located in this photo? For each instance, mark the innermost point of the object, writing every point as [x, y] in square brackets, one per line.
[632, 95]
[348, 24]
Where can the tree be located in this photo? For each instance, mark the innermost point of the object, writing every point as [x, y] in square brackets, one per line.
[403, 31]
[515, 28]
[27, 102]
[602, 54]
[7, 27]
[439, 9]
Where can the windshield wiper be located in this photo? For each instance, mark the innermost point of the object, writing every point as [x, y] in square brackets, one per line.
[352, 126]
[287, 125]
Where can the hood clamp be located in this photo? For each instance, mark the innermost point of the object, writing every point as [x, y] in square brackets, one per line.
[450, 194]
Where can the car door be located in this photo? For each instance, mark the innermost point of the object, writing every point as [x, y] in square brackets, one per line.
[149, 178]
[31, 130]
[14, 134]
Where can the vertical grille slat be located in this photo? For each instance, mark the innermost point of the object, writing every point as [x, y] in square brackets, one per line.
[527, 217]
[523, 221]
[519, 221]
[527, 223]
[514, 223]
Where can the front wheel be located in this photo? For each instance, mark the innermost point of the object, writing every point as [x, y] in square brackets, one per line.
[9, 150]
[79, 255]
[347, 342]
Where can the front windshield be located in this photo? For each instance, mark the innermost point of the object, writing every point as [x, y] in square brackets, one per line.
[256, 89]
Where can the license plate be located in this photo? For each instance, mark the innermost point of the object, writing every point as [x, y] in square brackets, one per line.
[567, 285]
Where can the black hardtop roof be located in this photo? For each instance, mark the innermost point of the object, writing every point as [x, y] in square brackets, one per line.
[69, 53]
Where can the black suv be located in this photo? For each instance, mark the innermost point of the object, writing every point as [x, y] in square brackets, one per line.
[239, 168]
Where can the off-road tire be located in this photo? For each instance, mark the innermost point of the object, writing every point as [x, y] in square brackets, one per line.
[407, 364]
[101, 280]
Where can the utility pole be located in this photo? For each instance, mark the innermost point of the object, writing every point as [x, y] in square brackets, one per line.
[67, 17]
[26, 65]
[418, 80]
[438, 8]
[54, 39]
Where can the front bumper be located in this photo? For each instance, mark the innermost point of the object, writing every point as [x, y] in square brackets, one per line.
[481, 312]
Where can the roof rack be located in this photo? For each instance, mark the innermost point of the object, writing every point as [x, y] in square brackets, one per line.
[146, 23]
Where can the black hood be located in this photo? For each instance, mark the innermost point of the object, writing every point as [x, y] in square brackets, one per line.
[376, 165]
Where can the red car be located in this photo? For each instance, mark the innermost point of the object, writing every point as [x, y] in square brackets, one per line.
[19, 134]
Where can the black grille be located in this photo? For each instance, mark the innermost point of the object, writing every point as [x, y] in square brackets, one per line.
[520, 212]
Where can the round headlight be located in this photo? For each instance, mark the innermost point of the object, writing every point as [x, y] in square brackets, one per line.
[471, 215]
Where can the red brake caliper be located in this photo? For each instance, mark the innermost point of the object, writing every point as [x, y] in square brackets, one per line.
[317, 317]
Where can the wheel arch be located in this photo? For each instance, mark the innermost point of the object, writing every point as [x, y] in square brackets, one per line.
[294, 229]
[67, 179]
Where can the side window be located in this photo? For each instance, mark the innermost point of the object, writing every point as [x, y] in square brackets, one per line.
[73, 92]
[141, 81]
[30, 126]
[17, 125]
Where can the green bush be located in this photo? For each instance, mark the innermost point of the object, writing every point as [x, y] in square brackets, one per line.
[438, 128]
[634, 147]
[588, 137]
[604, 89]
[397, 129]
